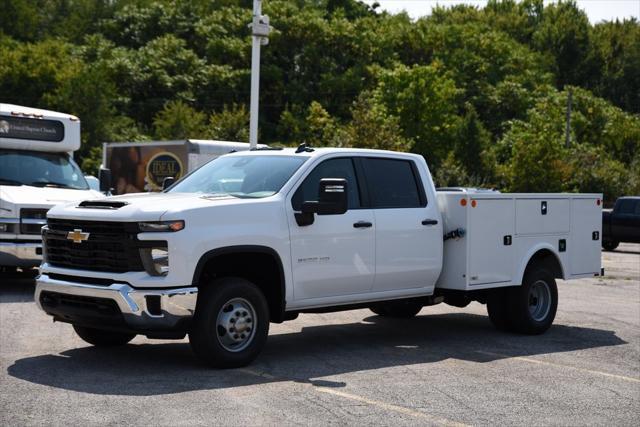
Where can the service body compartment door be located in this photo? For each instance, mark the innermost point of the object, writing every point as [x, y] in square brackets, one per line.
[490, 236]
[543, 216]
[586, 234]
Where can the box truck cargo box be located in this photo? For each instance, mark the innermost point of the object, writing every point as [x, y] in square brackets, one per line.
[142, 166]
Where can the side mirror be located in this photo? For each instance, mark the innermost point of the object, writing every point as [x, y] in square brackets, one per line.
[167, 182]
[104, 176]
[333, 200]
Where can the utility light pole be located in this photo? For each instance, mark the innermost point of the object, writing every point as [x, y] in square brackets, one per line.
[567, 130]
[260, 34]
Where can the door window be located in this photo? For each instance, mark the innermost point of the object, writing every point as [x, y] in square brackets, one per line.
[333, 168]
[393, 184]
[626, 206]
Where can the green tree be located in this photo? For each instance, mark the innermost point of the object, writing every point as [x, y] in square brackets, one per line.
[321, 128]
[373, 127]
[231, 124]
[472, 142]
[564, 33]
[604, 143]
[178, 120]
[451, 173]
[424, 98]
[615, 55]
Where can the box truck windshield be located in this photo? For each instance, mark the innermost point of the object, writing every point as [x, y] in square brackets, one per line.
[40, 169]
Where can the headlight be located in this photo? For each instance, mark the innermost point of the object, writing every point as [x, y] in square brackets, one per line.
[155, 260]
[161, 226]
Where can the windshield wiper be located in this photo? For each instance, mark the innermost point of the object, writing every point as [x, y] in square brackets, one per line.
[5, 181]
[51, 184]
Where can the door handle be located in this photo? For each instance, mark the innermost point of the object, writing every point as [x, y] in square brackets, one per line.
[362, 224]
[430, 222]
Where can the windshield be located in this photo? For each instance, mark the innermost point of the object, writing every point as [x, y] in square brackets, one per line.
[241, 176]
[40, 169]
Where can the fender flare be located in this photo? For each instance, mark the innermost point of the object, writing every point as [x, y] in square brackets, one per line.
[239, 249]
[532, 252]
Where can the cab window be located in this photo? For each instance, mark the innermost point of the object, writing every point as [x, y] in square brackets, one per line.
[393, 183]
[332, 168]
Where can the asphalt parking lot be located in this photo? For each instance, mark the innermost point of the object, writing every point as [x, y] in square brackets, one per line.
[446, 366]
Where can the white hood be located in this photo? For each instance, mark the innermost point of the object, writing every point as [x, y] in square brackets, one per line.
[139, 207]
[12, 198]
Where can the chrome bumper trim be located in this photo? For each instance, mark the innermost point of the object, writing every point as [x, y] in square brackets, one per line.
[20, 254]
[175, 304]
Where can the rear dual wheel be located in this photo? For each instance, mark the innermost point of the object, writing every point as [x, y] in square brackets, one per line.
[527, 309]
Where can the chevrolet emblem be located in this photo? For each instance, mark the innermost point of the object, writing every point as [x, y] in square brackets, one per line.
[77, 236]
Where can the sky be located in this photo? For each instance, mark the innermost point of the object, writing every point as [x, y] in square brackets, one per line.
[597, 10]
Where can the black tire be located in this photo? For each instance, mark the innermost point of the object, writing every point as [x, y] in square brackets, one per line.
[498, 309]
[378, 309]
[609, 245]
[528, 311]
[102, 338]
[8, 270]
[397, 309]
[213, 336]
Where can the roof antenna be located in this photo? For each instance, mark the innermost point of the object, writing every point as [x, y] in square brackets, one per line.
[304, 148]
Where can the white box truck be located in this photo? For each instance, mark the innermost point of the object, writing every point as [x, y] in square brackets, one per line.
[259, 236]
[143, 166]
[37, 171]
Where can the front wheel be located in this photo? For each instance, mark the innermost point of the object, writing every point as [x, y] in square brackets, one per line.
[609, 245]
[102, 338]
[231, 323]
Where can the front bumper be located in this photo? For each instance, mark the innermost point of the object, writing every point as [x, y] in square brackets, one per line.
[118, 306]
[19, 254]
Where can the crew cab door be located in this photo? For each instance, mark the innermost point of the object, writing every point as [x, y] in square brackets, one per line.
[333, 256]
[408, 227]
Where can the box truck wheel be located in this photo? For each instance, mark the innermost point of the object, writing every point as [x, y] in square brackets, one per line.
[102, 338]
[532, 306]
[231, 323]
[400, 309]
[609, 245]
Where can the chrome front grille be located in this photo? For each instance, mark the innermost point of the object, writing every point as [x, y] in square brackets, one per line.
[32, 220]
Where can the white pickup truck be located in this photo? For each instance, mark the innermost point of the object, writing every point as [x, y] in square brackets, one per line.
[257, 237]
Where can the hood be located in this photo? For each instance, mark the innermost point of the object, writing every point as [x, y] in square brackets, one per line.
[12, 197]
[138, 206]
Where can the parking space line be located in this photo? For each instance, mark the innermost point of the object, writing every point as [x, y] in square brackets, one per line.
[389, 406]
[558, 365]
[383, 405]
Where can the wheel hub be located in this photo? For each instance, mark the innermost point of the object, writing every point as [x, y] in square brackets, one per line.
[539, 300]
